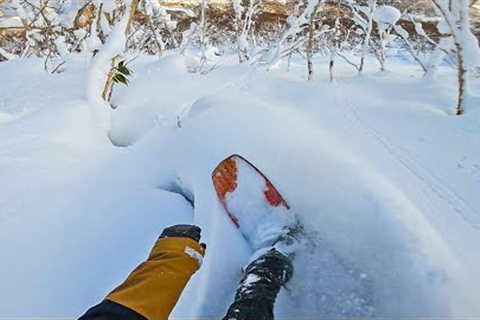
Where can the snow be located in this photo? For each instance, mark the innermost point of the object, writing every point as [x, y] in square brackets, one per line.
[443, 27]
[100, 66]
[10, 22]
[471, 50]
[419, 29]
[381, 174]
[237, 7]
[387, 15]
[69, 12]
[108, 5]
[296, 24]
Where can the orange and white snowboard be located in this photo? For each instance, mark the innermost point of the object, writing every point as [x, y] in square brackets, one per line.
[252, 202]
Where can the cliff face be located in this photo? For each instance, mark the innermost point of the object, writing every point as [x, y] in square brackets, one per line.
[276, 11]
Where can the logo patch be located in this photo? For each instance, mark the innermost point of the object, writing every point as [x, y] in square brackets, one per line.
[194, 254]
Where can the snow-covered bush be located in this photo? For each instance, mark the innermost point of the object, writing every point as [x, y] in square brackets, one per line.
[45, 30]
[56, 28]
[155, 32]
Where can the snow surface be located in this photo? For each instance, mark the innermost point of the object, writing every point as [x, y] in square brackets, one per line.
[384, 178]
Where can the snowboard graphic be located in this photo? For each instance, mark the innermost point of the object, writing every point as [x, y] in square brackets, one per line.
[252, 202]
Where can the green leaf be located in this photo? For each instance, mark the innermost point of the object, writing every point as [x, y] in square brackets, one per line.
[119, 78]
[124, 70]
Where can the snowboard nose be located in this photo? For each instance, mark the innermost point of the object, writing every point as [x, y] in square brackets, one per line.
[225, 177]
[225, 180]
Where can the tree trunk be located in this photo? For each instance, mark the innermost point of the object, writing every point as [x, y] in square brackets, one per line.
[242, 50]
[362, 64]
[108, 88]
[331, 65]
[460, 42]
[381, 54]
[203, 31]
[289, 62]
[462, 83]
[311, 42]
[98, 25]
[459, 31]
[131, 15]
[366, 43]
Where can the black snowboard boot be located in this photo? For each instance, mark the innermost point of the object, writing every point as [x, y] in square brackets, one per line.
[259, 287]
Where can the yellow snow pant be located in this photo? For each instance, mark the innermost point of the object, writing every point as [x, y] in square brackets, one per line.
[154, 287]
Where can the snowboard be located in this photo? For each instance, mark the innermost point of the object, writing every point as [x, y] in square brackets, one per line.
[252, 202]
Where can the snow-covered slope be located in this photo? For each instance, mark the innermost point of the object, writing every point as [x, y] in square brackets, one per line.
[384, 179]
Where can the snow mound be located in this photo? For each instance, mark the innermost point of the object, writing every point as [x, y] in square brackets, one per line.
[387, 15]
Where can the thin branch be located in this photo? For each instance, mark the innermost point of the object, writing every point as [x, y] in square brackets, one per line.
[347, 60]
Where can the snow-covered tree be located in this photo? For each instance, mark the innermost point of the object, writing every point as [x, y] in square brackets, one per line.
[334, 44]
[311, 40]
[45, 34]
[386, 17]
[407, 39]
[296, 26]
[245, 13]
[155, 32]
[188, 37]
[203, 33]
[337, 38]
[456, 26]
[107, 63]
[56, 28]
[197, 62]
[363, 17]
